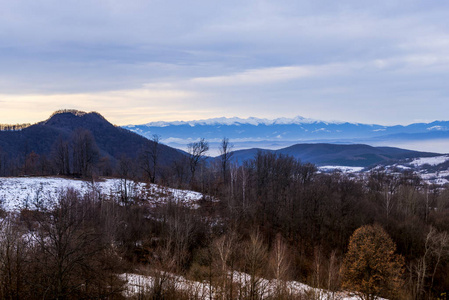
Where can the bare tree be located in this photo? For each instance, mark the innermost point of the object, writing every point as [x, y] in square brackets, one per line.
[196, 152]
[85, 152]
[2, 163]
[436, 249]
[30, 166]
[440, 251]
[333, 275]
[150, 157]
[68, 252]
[180, 169]
[60, 155]
[389, 189]
[223, 247]
[279, 264]
[225, 155]
[125, 172]
[317, 270]
[255, 255]
[244, 179]
[13, 248]
[164, 265]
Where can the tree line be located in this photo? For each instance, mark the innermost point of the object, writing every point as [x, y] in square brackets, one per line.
[272, 217]
[14, 127]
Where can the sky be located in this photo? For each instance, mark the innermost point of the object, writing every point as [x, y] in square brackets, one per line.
[136, 61]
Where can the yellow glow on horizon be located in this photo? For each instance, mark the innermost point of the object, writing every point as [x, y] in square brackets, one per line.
[119, 107]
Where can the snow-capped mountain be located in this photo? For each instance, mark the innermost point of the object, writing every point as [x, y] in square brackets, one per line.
[283, 132]
[236, 121]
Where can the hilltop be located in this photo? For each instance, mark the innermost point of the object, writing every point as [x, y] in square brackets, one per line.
[112, 141]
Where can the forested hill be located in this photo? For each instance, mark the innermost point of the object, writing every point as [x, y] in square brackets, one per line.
[112, 141]
[341, 155]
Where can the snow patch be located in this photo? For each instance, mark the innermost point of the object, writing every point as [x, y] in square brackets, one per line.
[344, 169]
[321, 130]
[432, 161]
[402, 167]
[139, 284]
[437, 128]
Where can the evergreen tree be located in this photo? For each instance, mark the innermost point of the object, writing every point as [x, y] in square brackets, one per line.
[370, 267]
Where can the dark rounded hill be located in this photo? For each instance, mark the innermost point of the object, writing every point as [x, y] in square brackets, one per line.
[321, 154]
[111, 140]
[70, 120]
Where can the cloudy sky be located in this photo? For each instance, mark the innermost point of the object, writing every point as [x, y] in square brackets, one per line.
[138, 61]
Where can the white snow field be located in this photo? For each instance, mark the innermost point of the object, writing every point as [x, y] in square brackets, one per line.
[344, 169]
[139, 284]
[20, 192]
[432, 161]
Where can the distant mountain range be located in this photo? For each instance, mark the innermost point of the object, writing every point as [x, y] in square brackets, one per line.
[283, 132]
[113, 141]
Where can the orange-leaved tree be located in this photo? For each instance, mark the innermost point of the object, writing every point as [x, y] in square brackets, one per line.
[371, 268]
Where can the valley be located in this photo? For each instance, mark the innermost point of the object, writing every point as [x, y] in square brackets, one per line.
[156, 221]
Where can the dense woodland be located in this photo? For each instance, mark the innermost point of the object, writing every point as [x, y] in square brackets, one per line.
[270, 217]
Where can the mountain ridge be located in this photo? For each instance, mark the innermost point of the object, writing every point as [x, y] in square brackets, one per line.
[268, 121]
[236, 120]
[354, 155]
[112, 141]
[261, 133]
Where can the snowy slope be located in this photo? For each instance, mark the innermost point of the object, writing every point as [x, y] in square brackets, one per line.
[432, 161]
[137, 284]
[21, 192]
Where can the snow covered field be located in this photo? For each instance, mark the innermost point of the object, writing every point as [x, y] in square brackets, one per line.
[21, 192]
[343, 169]
[420, 166]
[138, 284]
[432, 161]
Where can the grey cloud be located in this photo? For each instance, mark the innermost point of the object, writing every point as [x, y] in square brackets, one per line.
[393, 54]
